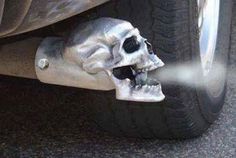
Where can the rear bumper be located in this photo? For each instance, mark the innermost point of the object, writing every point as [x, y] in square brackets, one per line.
[16, 18]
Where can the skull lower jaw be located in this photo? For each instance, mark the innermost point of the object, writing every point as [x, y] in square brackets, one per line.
[143, 93]
[134, 85]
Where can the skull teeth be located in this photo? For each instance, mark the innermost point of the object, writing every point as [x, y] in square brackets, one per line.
[146, 69]
[146, 86]
[141, 78]
[136, 78]
[142, 70]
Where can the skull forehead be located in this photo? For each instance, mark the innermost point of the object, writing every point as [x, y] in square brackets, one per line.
[102, 33]
[112, 30]
[121, 30]
[103, 30]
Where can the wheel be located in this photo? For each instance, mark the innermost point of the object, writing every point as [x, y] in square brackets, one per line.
[181, 31]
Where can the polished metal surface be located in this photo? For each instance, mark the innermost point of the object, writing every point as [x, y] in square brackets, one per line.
[208, 26]
[61, 71]
[18, 56]
[103, 54]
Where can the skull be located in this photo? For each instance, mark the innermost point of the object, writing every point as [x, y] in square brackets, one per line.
[117, 48]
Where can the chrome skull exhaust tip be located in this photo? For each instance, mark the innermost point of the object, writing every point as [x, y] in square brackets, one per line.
[103, 54]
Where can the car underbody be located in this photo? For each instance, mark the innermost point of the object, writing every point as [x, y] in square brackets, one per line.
[28, 15]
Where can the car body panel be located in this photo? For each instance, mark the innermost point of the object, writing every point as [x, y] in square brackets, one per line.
[26, 15]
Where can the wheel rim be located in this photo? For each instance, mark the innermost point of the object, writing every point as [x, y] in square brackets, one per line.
[208, 22]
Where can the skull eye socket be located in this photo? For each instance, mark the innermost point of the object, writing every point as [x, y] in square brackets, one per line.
[131, 45]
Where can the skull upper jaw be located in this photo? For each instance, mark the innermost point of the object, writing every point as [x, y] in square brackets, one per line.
[132, 83]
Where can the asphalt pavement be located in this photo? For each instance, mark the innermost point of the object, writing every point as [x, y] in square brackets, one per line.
[38, 120]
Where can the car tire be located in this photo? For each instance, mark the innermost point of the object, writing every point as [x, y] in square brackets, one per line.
[172, 28]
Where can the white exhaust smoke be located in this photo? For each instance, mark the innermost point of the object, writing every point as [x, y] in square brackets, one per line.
[189, 74]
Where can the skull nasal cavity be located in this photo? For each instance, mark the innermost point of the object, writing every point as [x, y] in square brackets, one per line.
[131, 45]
